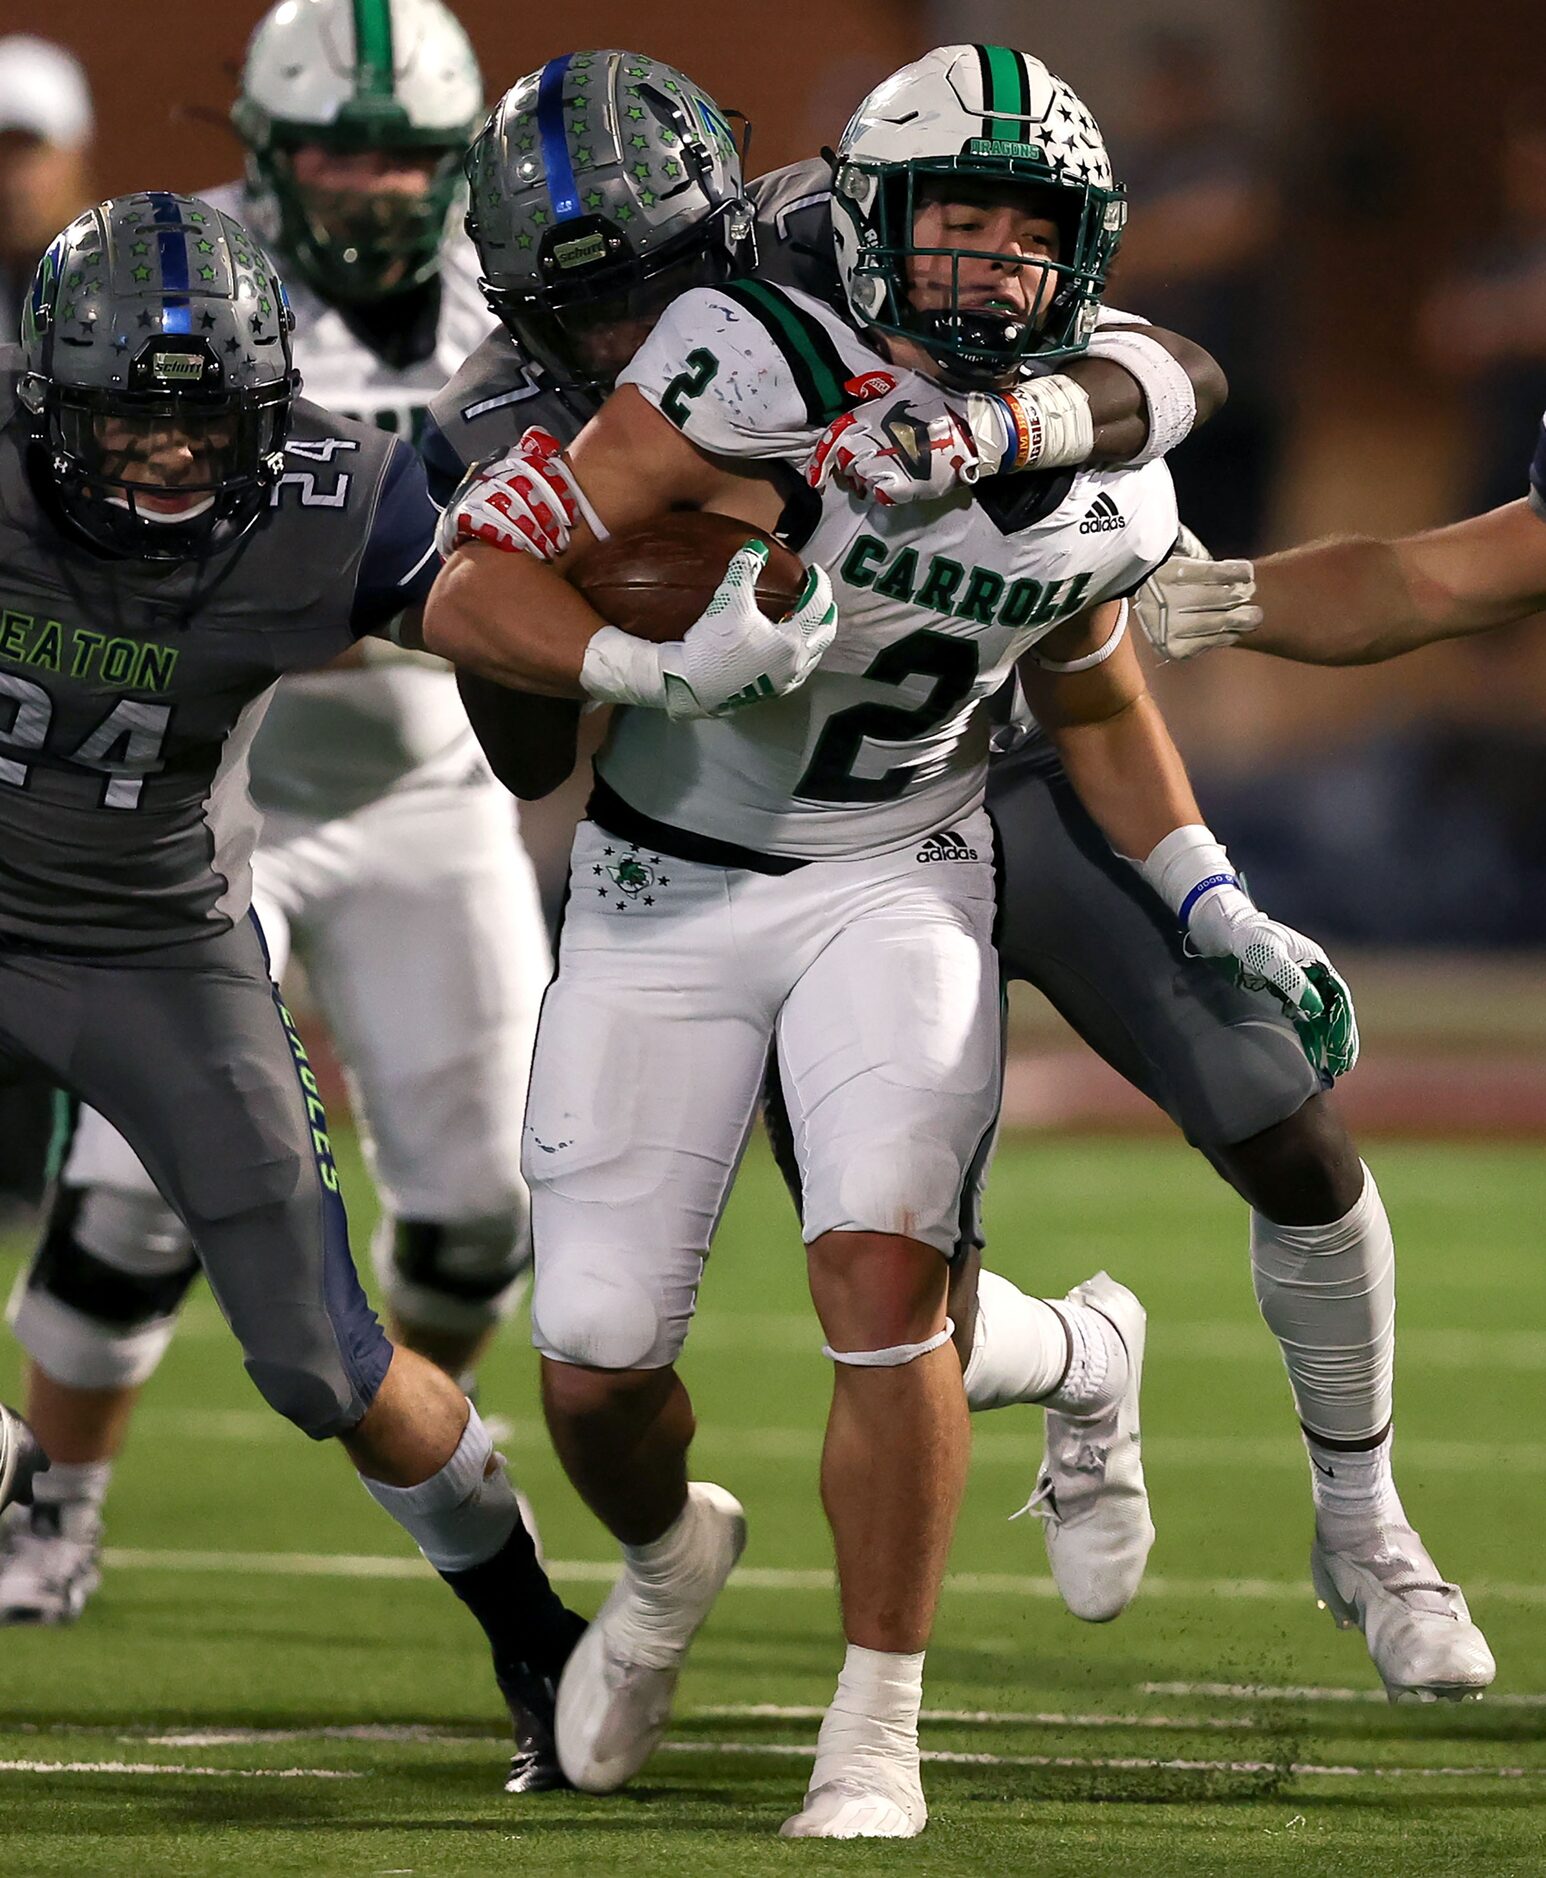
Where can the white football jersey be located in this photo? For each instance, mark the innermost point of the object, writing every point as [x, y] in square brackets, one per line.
[335, 740]
[936, 600]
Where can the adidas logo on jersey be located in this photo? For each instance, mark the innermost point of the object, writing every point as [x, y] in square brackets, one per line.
[1102, 516]
[946, 846]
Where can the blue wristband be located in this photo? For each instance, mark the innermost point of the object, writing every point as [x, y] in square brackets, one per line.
[1202, 887]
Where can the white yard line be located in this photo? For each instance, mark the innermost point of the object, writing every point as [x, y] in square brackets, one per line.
[748, 1578]
[198, 1773]
[1310, 1692]
[1126, 1763]
[962, 1717]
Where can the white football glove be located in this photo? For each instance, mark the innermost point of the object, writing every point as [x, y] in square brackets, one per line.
[915, 446]
[1193, 603]
[524, 502]
[1191, 872]
[732, 656]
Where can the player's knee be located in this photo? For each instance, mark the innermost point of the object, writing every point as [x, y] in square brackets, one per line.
[1304, 1171]
[455, 1275]
[589, 1312]
[100, 1300]
[322, 1398]
[876, 1291]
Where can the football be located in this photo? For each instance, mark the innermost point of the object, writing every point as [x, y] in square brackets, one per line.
[656, 579]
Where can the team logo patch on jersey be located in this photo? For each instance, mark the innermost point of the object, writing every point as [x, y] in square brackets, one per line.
[1102, 517]
[635, 877]
[947, 845]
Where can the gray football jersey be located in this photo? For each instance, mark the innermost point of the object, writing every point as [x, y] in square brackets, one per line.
[131, 691]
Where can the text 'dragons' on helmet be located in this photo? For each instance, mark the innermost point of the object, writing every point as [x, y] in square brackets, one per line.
[603, 186]
[157, 376]
[975, 123]
[328, 84]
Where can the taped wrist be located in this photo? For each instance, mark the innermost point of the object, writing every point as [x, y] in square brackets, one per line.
[1189, 864]
[894, 1358]
[619, 669]
[1168, 394]
[1044, 424]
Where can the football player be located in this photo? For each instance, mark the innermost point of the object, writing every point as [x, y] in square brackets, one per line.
[1085, 930]
[179, 531]
[387, 859]
[809, 861]
[575, 309]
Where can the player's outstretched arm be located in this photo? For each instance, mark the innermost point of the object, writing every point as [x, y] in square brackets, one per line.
[1353, 600]
[1087, 690]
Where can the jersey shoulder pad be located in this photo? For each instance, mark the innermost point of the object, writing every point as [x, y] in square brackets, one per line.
[491, 399]
[794, 228]
[746, 369]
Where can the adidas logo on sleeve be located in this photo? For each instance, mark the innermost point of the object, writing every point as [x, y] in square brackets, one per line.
[1102, 517]
[945, 846]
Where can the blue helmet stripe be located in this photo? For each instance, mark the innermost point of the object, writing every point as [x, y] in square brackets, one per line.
[172, 252]
[562, 188]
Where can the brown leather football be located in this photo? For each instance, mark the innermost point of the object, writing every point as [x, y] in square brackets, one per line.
[655, 580]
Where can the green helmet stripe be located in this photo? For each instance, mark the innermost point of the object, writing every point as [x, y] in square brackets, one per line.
[373, 66]
[815, 363]
[1004, 89]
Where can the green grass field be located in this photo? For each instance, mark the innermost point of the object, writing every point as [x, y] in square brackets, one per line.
[269, 1683]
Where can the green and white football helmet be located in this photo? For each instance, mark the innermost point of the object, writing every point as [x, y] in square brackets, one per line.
[356, 76]
[975, 114]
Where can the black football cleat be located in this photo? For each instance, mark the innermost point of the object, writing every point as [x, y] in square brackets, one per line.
[532, 1700]
[21, 1459]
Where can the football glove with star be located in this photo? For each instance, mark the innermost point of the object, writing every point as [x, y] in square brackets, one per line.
[906, 443]
[1191, 872]
[731, 656]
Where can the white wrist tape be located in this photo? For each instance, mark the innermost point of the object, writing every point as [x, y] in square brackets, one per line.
[1098, 657]
[896, 1356]
[1043, 424]
[1188, 864]
[1167, 390]
[620, 669]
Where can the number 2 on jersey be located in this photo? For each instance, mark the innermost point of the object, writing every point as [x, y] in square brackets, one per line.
[133, 729]
[951, 663]
[691, 383]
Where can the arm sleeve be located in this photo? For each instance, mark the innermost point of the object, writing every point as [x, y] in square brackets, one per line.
[712, 368]
[531, 743]
[399, 564]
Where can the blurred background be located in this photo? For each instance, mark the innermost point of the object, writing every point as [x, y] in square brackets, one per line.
[1347, 205]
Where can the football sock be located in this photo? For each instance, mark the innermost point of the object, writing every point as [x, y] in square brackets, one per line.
[662, 1570]
[1353, 1487]
[466, 1523]
[873, 1716]
[1020, 1346]
[1328, 1294]
[73, 1484]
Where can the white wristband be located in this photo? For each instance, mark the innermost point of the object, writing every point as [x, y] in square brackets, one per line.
[1186, 866]
[1168, 392]
[620, 669]
[1091, 659]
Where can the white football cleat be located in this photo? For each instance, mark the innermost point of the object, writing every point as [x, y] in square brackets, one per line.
[48, 1568]
[876, 1801]
[1090, 1493]
[1416, 1624]
[615, 1696]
